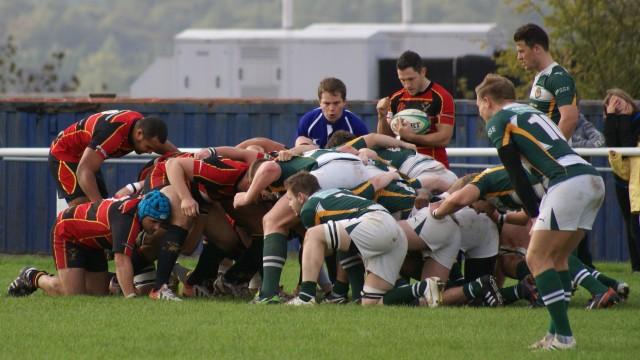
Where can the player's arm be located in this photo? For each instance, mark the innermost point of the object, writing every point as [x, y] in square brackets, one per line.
[87, 168]
[568, 120]
[286, 155]
[266, 174]
[383, 180]
[441, 137]
[267, 144]
[456, 201]
[233, 153]
[124, 274]
[383, 107]
[564, 92]
[129, 189]
[510, 156]
[385, 141]
[179, 171]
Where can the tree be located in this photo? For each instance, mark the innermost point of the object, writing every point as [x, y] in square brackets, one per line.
[15, 78]
[596, 41]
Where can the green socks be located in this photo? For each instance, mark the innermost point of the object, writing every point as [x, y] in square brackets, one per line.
[307, 290]
[582, 276]
[274, 256]
[405, 295]
[550, 286]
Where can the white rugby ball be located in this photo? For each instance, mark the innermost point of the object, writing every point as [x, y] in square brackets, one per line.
[418, 121]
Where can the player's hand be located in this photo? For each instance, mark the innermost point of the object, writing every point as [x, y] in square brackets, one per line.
[284, 155]
[189, 207]
[125, 191]
[383, 107]
[404, 131]
[366, 155]
[203, 154]
[408, 145]
[240, 200]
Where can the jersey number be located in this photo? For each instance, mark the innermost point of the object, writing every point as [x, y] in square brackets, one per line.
[547, 126]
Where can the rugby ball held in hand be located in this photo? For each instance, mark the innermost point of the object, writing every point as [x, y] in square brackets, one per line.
[418, 121]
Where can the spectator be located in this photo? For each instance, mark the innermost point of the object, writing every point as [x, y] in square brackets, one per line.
[621, 129]
[317, 125]
[418, 92]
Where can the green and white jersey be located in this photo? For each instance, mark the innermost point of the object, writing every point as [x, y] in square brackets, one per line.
[398, 197]
[495, 186]
[553, 87]
[543, 149]
[290, 168]
[394, 156]
[335, 204]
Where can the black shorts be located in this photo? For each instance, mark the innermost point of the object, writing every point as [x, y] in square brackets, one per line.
[64, 174]
[68, 254]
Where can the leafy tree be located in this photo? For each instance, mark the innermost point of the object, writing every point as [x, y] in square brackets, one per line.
[15, 78]
[597, 41]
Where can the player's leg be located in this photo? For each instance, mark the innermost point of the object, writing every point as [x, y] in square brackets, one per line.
[276, 224]
[96, 277]
[170, 246]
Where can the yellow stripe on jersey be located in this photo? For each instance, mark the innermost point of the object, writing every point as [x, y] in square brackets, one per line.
[520, 131]
[360, 189]
[388, 193]
[552, 104]
[487, 172]
[325, 213]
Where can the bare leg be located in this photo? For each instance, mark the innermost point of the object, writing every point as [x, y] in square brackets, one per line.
[73, 281]
[96, 283]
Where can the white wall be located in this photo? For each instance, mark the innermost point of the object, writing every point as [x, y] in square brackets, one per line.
[158, 80]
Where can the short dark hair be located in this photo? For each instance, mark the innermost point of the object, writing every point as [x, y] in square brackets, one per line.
[338, 138]
[153, 127]
[410, 59]
[302, 182]
[532, 34]
[496, 87]
[332, 86]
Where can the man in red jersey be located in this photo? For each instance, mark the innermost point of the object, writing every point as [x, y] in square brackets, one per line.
[78, 152]
[418, 92]
[80, 236]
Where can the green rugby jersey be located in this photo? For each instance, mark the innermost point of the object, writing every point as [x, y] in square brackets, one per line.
[495, 186]
[398, 197]
[335, 204]
[553, 87]
[394, 156]
[290, 168]
[542, 146]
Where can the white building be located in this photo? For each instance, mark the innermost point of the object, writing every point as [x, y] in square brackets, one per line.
[286, 63]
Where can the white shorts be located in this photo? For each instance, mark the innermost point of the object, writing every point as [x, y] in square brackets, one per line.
[378, 237]
[339, 170]
[572, 204]
[480, 238]
[419, 164]
[441, 236]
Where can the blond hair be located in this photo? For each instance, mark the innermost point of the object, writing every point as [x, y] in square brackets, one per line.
[622, 95]
[496, 87]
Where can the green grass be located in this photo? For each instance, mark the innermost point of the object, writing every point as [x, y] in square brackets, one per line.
[89, 327]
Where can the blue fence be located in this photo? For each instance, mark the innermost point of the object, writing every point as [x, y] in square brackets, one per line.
[27, 200]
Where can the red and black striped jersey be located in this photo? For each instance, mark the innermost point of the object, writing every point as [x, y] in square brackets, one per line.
[154, 172]
[437, 103]
[217, 177]
[104, 224]
[107, 132]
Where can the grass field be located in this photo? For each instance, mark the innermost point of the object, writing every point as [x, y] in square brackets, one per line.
[91, 327]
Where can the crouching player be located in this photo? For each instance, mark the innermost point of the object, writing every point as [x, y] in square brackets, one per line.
[337, 220]
[81, 235]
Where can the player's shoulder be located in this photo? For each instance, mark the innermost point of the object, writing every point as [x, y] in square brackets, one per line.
[311, 115]
[397, 95]
[440, 91]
